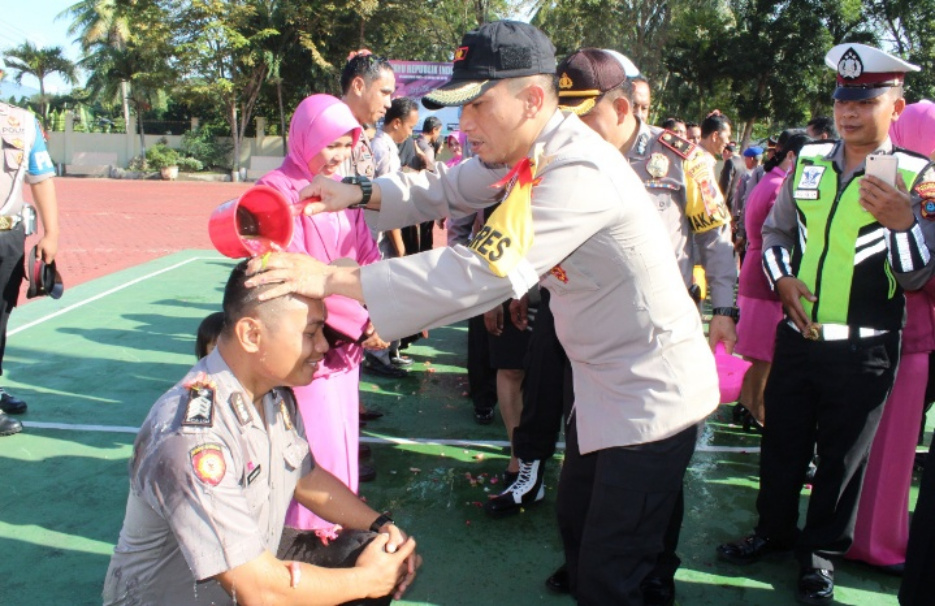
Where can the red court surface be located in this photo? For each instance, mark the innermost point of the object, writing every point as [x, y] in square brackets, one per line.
[108, 225]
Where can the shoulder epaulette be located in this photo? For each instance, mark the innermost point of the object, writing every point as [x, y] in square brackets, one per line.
[683, 147]
[911, 160]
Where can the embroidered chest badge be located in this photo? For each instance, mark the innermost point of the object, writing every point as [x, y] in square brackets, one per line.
[658, 165]
[199, 411]
[811, 177]
[208, 463]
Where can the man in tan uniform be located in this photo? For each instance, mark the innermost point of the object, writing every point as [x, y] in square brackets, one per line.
[216, 464]
[24, 158]
[575, 218]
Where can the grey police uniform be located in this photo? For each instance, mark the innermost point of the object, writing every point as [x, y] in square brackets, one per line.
[24, 160]
[209, 487]
[660, 159]
[644, 377]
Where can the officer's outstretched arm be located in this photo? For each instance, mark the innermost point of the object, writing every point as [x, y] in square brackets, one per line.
[268, 581]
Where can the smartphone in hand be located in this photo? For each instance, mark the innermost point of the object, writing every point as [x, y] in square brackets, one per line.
[883, 168]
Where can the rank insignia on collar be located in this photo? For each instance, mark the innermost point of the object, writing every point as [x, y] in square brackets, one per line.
[658, 165]
[286, 417]
[199, 411]
[641, 144]
[682, 147]
[240, 408]
[208, 463]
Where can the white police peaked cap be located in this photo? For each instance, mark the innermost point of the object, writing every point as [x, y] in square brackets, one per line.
[865, 72]
[629, 68]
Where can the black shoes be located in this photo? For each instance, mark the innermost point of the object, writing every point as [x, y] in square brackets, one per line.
[558, 581]
[748, 550]
[369, 415]
[483, 416]
[816, 586]
[366, 473]
[400, 360]
[10, 404]
[658, 591]
[375, 366]
[9, 425]
[525, 491]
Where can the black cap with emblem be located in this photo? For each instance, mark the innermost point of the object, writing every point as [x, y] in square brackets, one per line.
[493, 52]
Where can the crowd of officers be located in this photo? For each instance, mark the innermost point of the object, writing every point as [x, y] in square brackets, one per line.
[593, 202]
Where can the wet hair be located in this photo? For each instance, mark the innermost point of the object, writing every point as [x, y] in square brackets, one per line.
[430, 124]
[208, 332]
[714, 123]
[823, 125]
[367, 66]
[401, 108]
[790, 140]
[239, 299]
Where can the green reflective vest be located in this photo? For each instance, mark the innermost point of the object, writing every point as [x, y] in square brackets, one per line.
[841, 250]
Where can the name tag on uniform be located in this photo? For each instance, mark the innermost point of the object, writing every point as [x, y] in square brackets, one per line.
[805, 194]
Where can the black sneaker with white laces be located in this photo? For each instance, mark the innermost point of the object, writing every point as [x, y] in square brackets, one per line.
[527, 490]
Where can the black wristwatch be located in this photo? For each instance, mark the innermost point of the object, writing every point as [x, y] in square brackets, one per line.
[380, 522]
[731, 312]
[366, 189]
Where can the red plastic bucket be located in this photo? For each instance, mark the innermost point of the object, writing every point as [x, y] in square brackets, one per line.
[258, 221]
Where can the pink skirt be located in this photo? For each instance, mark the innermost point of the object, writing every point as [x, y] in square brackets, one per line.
[332, 428]
[756, 331]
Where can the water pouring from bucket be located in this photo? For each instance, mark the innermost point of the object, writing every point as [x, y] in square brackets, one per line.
[259, 221]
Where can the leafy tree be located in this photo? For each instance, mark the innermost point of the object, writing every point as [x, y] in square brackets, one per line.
[27, 58]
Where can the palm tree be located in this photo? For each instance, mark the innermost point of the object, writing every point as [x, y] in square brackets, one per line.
[102, 23]
[41, 63]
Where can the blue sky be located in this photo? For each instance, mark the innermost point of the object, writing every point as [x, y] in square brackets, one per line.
[34, 20]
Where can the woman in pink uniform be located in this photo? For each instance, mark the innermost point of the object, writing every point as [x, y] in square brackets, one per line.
[882, 529]
[321, 135]
[760, 309]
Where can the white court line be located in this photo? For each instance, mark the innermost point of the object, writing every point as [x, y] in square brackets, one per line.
[102, 295]
[476, 444]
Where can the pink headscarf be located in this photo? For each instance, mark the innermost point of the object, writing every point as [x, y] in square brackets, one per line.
[318, 121]
[461, 138]
[915, 129]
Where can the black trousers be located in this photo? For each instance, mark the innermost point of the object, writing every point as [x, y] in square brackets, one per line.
[918, 583]
[12, 253]
[482, 377]
[828, 394]
[303, 546]
[545, 389]
[615, 508]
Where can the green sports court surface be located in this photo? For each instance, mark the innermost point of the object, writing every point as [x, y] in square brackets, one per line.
[92, 364]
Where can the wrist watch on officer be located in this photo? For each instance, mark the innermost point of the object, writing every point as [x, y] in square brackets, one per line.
[366, 189]
[380, 522]
[731, 312]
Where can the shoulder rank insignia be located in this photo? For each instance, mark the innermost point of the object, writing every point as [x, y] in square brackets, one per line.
[286, 417]
[240, 408]
[682, 147]
[208, 463]
[199, 411]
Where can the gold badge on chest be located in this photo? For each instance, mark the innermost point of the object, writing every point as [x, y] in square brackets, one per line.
[658, 165]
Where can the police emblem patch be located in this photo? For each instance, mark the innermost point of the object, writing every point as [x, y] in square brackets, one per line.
[461, 54]
[811, 177]
[850, 66]
[565, 82]
[208, 463]
[926, 190]
[658, 165]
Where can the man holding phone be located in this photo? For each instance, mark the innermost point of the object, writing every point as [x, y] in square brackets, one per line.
[843, 240]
